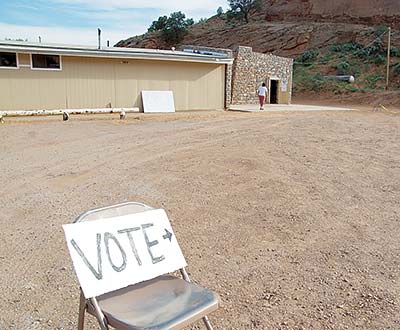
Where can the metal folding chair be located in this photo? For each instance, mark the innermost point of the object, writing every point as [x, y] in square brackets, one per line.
[163, 303]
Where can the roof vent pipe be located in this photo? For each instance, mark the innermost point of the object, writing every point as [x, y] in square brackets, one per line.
[99, 37]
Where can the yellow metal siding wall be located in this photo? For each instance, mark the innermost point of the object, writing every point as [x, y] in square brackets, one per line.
[31, 89]
[89, 83]
[195, 85]
[99, 83]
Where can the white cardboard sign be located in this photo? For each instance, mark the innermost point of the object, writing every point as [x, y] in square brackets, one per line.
[158, 101]
[113, 253]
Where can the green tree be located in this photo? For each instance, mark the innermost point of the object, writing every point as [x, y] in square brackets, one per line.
[176, 27]
[158, 25]
[220, 11]
[243, 7]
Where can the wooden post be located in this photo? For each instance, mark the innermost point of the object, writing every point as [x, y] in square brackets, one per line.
[388, 59]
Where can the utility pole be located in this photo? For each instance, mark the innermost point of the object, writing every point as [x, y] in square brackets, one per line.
[388, 59]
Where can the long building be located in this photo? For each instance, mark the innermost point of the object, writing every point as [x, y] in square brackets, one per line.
[35, 76]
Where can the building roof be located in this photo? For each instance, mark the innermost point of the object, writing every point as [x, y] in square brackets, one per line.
[111, 52]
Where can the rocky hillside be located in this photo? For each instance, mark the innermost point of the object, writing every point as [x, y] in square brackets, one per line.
[365, 11]
[326, 37]
[289, 28]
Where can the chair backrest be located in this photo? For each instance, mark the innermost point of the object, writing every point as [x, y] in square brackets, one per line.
[113, 211]
[136, 246]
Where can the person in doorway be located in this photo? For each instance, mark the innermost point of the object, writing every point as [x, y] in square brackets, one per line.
[262, 94]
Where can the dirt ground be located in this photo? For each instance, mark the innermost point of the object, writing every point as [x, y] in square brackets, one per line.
[367, 102]
[292, 218]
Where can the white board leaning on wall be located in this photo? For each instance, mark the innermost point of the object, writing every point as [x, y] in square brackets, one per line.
[158, 101]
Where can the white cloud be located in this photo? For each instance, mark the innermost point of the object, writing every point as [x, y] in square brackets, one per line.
[117, 19]
[171, 5]
[74, 36]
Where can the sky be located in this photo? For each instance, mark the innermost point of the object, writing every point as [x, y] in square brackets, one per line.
[76, 21]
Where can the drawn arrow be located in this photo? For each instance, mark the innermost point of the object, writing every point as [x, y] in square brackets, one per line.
[168, 235]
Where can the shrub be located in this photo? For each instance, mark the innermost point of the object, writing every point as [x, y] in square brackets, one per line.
[397, 68]
[317, 83]
[355, 69]
[241, 8]
[173, 28]
[351, 88]
[373, 79]
[379, 59]
[381, 30]
[306, 80]
[308, 57]
[231, 15]
[325, 59]
[347, 68]
[335, 48]
[395, 51]
[158, 25]
[343, 67]
[350, 47]
[176, 28]
[375, 53]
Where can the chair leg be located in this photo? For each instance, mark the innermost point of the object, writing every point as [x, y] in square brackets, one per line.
[99, 314]
[207, 323]
[186, 277]
[82, 311]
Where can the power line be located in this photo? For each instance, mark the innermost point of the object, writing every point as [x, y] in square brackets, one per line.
[371, 43]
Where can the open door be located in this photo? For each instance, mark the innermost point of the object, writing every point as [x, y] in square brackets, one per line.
[273, 98]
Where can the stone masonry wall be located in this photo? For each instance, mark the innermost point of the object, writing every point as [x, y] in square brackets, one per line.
[243, 77]
[251, 69]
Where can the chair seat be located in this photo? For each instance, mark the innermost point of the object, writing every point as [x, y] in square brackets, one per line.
[163, 303]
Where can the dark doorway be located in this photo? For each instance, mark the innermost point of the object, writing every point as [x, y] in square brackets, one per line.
[274, 92]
